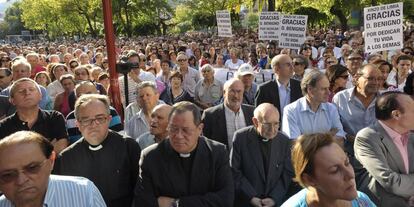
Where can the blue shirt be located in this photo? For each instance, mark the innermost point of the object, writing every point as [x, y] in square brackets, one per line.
[299, 200]
[67, 191]
[354, 115]
[298, 119]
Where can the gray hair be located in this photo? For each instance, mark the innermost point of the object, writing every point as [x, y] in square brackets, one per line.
[145, 84]
[310, 79]
[87, 98]
[13, 87]
[21, 62]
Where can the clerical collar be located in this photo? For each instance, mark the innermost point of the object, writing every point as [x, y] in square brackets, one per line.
[185, 155]
[95, 147]
[262, 139]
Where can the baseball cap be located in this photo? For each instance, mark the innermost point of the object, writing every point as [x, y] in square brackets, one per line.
[245, 69]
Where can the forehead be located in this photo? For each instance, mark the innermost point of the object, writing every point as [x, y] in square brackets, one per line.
[236, 85]
[20, 67]
[160, 111]
[86, 89]
[270, 116]
[323, 82]
[92, 109]
[328, 156]
[20, 154]
[184, 119]
[25, 84]
[146, 90]
[404, 62]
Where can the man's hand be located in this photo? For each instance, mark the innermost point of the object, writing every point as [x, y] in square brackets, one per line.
[256, 202]
[165, 201]
[268, 202]
[411, 201]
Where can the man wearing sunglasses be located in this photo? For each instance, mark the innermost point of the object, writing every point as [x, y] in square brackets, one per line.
[105, 157]
[26, 161]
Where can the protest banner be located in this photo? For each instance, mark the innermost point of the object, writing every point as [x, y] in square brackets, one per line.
[383, 27]
[223, 23]
[292, 31]
[269, 26]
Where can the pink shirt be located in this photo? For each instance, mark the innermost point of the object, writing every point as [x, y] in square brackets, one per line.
[400, 141]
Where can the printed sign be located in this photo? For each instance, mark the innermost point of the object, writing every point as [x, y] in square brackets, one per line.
[223, 23]
[383, 27]
[269, 26]
[292, 31]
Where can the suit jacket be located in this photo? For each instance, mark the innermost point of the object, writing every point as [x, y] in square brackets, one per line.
[250, 177]
[161, 174]
[268, 93]
[214, 119]
[387, 182]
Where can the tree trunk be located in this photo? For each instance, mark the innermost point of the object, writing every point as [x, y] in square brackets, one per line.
[341, 16]
[271, 5]
[128, 22]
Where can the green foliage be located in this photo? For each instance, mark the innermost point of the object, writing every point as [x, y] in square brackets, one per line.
[12, 21]
[251, 21]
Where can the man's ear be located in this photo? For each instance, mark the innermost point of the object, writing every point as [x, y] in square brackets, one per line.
[255, 122]
[11, 100]
[52, 159]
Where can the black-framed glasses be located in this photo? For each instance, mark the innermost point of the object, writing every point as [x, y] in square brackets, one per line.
[12, 175]
[100, 119]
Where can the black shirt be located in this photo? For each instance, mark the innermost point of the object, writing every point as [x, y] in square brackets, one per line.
[113, 169]
[50, 124]
[265, 149]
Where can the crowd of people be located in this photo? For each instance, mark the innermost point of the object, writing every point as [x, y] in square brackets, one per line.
[324, 125]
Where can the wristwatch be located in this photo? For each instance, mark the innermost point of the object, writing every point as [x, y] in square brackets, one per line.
[176, 203]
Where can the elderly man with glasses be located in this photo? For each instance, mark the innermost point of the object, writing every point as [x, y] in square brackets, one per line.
[26, 161]
[105, 157]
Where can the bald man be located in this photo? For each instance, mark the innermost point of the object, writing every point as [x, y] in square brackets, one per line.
[283, 90]
[260, 160]
[158, 126]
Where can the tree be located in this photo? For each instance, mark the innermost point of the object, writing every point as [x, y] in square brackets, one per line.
[13, 19]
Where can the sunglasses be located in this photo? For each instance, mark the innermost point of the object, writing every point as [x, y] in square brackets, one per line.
[343, 76]
[12, 175]
[297, 63]
[330, 62]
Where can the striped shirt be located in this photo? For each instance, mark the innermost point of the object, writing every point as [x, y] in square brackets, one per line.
[67, 191]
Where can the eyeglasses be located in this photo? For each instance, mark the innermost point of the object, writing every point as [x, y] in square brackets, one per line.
[330, 62]
[98, 120]
[354, 59]
[270, 125]
[373, 78]
[343, 76]
[176, 130]
[286, 64]
[12, 175]
[297, 63]
[182, 60]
